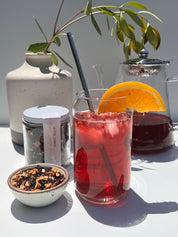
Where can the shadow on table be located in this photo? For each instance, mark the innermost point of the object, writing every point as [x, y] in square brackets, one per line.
[42, 214]
[18, 148]
[168, 155]
[130, 213]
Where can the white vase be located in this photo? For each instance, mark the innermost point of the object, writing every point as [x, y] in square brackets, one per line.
[37, 82]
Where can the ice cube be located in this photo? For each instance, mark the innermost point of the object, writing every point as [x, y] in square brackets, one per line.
[111, 129]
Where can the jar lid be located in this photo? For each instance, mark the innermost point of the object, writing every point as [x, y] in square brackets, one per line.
[36, 114]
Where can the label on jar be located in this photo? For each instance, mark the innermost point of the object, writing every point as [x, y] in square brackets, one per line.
[52, 139]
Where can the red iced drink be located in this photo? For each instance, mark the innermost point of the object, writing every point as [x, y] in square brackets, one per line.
[99, 139]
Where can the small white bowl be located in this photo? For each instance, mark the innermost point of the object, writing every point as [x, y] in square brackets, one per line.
[40, 198]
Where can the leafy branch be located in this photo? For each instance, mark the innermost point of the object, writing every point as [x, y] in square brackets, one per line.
[121, 28]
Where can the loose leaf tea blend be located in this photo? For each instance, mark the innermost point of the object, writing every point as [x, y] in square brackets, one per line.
[37, 178]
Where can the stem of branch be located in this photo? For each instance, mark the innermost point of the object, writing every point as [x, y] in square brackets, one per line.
[57, 18]
[73, 20]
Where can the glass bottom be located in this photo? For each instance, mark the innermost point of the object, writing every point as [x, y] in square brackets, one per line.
[108, 201]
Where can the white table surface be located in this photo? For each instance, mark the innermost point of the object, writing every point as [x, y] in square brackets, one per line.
[151, 209]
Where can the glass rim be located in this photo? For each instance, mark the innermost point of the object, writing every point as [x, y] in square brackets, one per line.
[81, 95]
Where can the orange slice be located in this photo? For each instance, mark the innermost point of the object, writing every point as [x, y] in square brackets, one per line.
[140, 97]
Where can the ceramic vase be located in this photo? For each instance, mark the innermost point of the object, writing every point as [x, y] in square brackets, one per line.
[37, 82]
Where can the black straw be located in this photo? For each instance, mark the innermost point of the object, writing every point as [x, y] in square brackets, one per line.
[80, 71]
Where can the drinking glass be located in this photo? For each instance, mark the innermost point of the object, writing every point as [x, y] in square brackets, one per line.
[102, 149]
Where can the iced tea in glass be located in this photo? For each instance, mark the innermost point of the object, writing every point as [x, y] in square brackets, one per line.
[102, 151]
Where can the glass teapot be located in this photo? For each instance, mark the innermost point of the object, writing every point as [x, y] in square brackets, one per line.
[152, 131]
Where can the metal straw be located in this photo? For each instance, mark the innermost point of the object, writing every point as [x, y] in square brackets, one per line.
[80, 71]
[85, 88]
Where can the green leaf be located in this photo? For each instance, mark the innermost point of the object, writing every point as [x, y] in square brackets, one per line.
[62, 59]
[55, 36]
[150, 13]
[57, 41]
[131, 27]
[54, 58]
[136, 45]
[145, 40]
[107, 21]
[112, 30]
[126, 49]
[129, 46]
[125, 28]
[88, 9]
[119, 33]
[143, 29]
[151, 36]
[158, 37]
[135, 4]
[38, 47]
[134, 17]
[107, 11]
[40, 28]
[95, 24]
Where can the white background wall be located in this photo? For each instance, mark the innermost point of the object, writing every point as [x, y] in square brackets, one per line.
[18, 31]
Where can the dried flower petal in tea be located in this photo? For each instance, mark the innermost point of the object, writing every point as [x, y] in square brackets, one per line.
[38, 178]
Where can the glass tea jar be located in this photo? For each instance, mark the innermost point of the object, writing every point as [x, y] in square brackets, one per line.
[152, 131]
[47, 135]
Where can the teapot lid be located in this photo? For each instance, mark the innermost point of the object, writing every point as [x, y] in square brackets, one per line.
[143, 66]
[143, 59]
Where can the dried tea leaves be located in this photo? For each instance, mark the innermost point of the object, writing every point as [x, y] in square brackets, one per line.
[38, 178]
